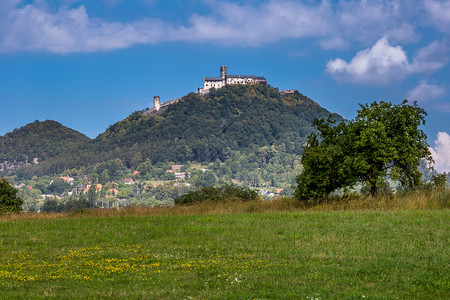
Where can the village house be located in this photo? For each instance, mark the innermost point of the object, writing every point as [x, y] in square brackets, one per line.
[178, 184]
[98, 187]
[181, 175]
[78, 189]
[67, 179]
[52, 197]
[128, 181]
[176, 167]
[20, 186]
[8, 165]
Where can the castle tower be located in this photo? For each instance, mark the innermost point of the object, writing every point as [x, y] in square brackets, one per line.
[156, 103]
[223, 74]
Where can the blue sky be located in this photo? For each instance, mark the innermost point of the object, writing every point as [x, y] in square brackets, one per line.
[89, 64]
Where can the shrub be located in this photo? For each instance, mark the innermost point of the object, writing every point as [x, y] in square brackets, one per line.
[218, 194]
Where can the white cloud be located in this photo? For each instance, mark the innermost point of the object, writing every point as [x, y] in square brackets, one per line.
[271, 21]
[334, 43]
[439, 14]
[338, 24]
[36, 28]
[367, 21]
[441, 152]
[425, 92]
[383, 64]
[41, 26]
[405, 33]
[71, 30]
[432, 57]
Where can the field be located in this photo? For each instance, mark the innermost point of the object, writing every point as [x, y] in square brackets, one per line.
[352, 254]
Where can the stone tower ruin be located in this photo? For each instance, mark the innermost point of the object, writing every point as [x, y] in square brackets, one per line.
[156, 103]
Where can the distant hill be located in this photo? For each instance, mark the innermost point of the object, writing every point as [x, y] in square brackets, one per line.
[205, 128]
[41, 140]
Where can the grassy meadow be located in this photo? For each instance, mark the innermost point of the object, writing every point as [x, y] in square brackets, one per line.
[231, 251]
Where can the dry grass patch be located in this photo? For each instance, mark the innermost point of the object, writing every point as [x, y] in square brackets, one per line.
[420, 199]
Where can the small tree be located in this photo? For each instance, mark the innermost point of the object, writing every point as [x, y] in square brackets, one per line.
[92, 195]
[439, 180]
[9, 201]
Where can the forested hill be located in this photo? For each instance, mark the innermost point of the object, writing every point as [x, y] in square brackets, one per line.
[207, 128]
[233, 120]
[42, 140]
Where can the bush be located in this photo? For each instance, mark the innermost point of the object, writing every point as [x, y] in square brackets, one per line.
[218, 194]
[51, 205]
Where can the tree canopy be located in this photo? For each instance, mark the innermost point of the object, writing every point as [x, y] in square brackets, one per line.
[42, 140]
[9, 201]
[384, 140]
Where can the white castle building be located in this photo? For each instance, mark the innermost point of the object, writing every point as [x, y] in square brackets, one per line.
[209, 83]
[224, 79]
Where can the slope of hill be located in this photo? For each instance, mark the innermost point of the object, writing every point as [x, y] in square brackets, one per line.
[207, 128]
[41, 140]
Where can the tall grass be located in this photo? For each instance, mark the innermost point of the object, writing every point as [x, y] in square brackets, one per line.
[418, 199]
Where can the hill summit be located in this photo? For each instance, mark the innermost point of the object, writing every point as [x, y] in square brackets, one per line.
[37, 141]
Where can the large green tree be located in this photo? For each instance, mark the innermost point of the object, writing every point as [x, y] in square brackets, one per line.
[9, 201]
[388, 142]
[384, 140]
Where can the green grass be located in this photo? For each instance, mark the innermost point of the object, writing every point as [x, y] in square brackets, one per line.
[302, 255]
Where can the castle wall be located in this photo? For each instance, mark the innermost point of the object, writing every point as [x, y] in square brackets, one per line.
[213, 84]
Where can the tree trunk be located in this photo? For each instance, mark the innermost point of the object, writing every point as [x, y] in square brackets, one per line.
[373, 190]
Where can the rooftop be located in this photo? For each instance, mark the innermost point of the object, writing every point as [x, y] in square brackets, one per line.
[213, 78]
[247, 76]
[235, 76]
